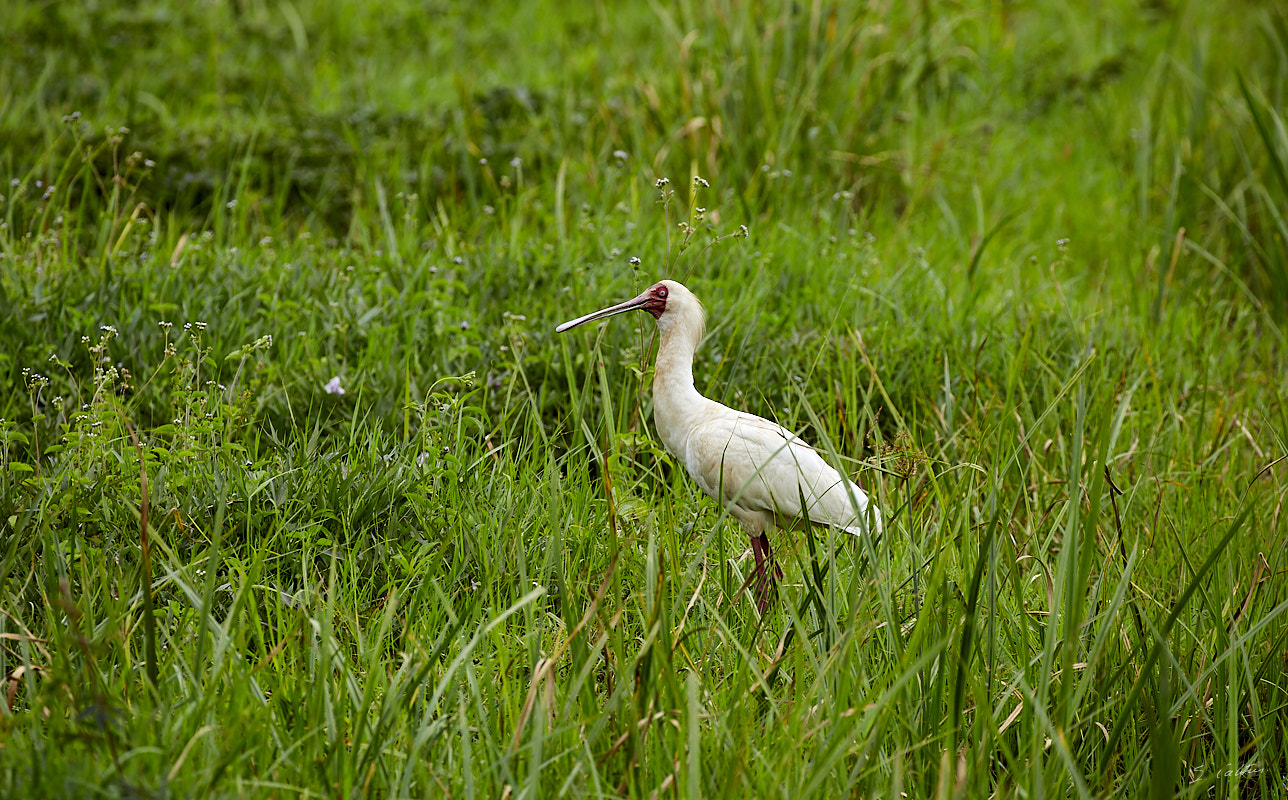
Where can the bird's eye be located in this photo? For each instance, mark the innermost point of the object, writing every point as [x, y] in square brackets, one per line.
[661, 292]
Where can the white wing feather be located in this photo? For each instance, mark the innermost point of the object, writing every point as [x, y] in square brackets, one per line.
[747, 461]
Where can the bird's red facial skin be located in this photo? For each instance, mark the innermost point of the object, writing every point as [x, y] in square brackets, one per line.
[656, 302]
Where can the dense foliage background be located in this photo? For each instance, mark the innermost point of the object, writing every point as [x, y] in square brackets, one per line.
[301, 495]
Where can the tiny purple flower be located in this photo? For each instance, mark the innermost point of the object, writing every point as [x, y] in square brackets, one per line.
[333, 386]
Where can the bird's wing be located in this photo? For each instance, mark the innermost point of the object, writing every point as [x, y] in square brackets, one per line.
[761, 466]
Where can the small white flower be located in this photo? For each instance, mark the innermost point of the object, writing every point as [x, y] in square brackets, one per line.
[333, 386]
[635, 259]
[621, 155]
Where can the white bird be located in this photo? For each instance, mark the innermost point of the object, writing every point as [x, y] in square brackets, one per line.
[760, 471]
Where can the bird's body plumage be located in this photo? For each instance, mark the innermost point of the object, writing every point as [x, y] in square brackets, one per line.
[763, 474]
[768, 477]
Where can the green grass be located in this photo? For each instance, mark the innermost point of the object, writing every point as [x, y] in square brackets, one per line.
[1021, 268]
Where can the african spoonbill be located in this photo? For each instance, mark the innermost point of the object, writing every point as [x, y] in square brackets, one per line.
[759, 470]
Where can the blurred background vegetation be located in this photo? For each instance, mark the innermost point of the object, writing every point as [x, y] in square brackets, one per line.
[1136, 109]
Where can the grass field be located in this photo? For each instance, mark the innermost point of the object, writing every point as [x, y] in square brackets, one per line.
[302, 496]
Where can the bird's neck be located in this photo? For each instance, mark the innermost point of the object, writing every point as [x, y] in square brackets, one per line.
[676, 403]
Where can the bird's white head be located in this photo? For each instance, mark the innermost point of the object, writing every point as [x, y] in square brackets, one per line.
[670, 303]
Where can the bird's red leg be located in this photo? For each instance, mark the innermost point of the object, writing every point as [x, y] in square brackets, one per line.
[764, 577]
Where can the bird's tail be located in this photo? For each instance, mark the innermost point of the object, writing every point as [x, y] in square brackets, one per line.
[844, 505]
[871, 523]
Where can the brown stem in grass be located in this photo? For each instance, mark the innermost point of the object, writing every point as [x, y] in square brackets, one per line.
[545, 669]
[145, 579]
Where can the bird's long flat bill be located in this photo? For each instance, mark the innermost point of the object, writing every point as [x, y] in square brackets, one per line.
[629, 305]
